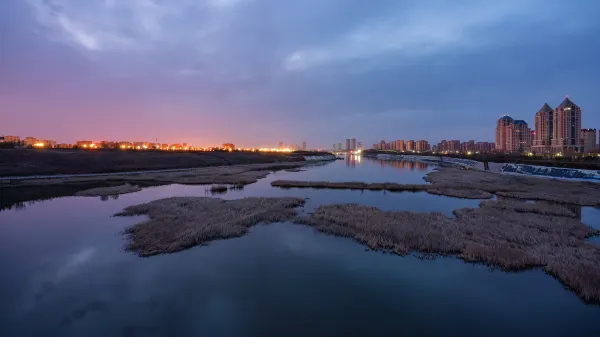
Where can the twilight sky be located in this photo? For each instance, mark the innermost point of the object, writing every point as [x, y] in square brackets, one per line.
[254, 72]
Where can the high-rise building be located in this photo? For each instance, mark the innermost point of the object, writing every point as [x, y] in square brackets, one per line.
[484, 147]
[340, 146]
[544, 125]
[353, 144]
[518, 137]
[360, 145]
[304, 145]
[347, 144]
[566, 136]
[443, 147]
[454, 145]
[422, 146]
[410, 145]
[399, 146]
[589, 140]
[501, 130]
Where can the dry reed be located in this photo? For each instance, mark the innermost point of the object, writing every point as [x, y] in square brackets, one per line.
[108, 191]
[497, 237]
[218, 188]
[473, 184]
[522, 207]
[179, 223]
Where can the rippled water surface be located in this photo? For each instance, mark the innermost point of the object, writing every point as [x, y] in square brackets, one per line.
[64, 274]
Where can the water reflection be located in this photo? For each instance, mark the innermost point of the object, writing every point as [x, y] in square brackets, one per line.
[411, 165]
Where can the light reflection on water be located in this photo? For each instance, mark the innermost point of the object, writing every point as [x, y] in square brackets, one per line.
[64, 274]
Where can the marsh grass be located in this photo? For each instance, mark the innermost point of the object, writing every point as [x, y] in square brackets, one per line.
[522, 207]
[108, 191]
[496, 236]
[473, 184]
[179, 223]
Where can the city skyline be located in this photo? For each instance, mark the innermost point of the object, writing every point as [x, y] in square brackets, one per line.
[252, 72]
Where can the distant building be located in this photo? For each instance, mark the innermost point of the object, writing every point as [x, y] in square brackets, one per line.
[228, 146]
[454, 145]
[353, 144]
[304, 145]
[518, 137]
[348, 144]
[567, 128]
[422, 146]
[543, 130]
[359, 145]
[399, 146]
[280, 145]
[49, 143]
[29, 141]
[410, 145]
[589, 140]
[484, 147]
[501, 131]
[64, 146]
[10, 139]
[85, 144]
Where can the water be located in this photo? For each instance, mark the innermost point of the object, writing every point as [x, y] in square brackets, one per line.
[64, 274]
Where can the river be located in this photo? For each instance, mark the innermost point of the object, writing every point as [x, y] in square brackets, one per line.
[64, 273]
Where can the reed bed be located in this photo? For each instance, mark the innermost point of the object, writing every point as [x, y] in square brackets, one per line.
[218, 188]
[108, 191]
[473, 184]
[522, 207]
[502, 238]
[179, 223]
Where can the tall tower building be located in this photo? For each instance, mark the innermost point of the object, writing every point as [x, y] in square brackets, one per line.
[589, 140]
[566, 137]
[353, 144]
[347, 144]
[544, 130]
[410, 145]
[503, 123]
[304, 145]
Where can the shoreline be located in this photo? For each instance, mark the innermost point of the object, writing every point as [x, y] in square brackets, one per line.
[21, 164]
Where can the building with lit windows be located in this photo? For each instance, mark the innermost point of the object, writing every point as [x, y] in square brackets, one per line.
[566, 133]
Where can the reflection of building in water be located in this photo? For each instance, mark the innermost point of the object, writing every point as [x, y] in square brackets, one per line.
[104, 197]
[350, 161]
[411, 165]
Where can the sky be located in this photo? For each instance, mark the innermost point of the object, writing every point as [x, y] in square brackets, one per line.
[256, 72]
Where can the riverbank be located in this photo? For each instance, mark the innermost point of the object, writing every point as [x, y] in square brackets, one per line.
[31, 162]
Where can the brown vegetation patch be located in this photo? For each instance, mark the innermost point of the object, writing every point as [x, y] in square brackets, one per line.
[522, 207]
[498, 237]
[111, 190]
[581, 193]
[461, 193]
[179, 223]
[473, 184]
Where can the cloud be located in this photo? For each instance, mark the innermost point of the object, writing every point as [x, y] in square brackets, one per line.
[413, 31]
[129, 25]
